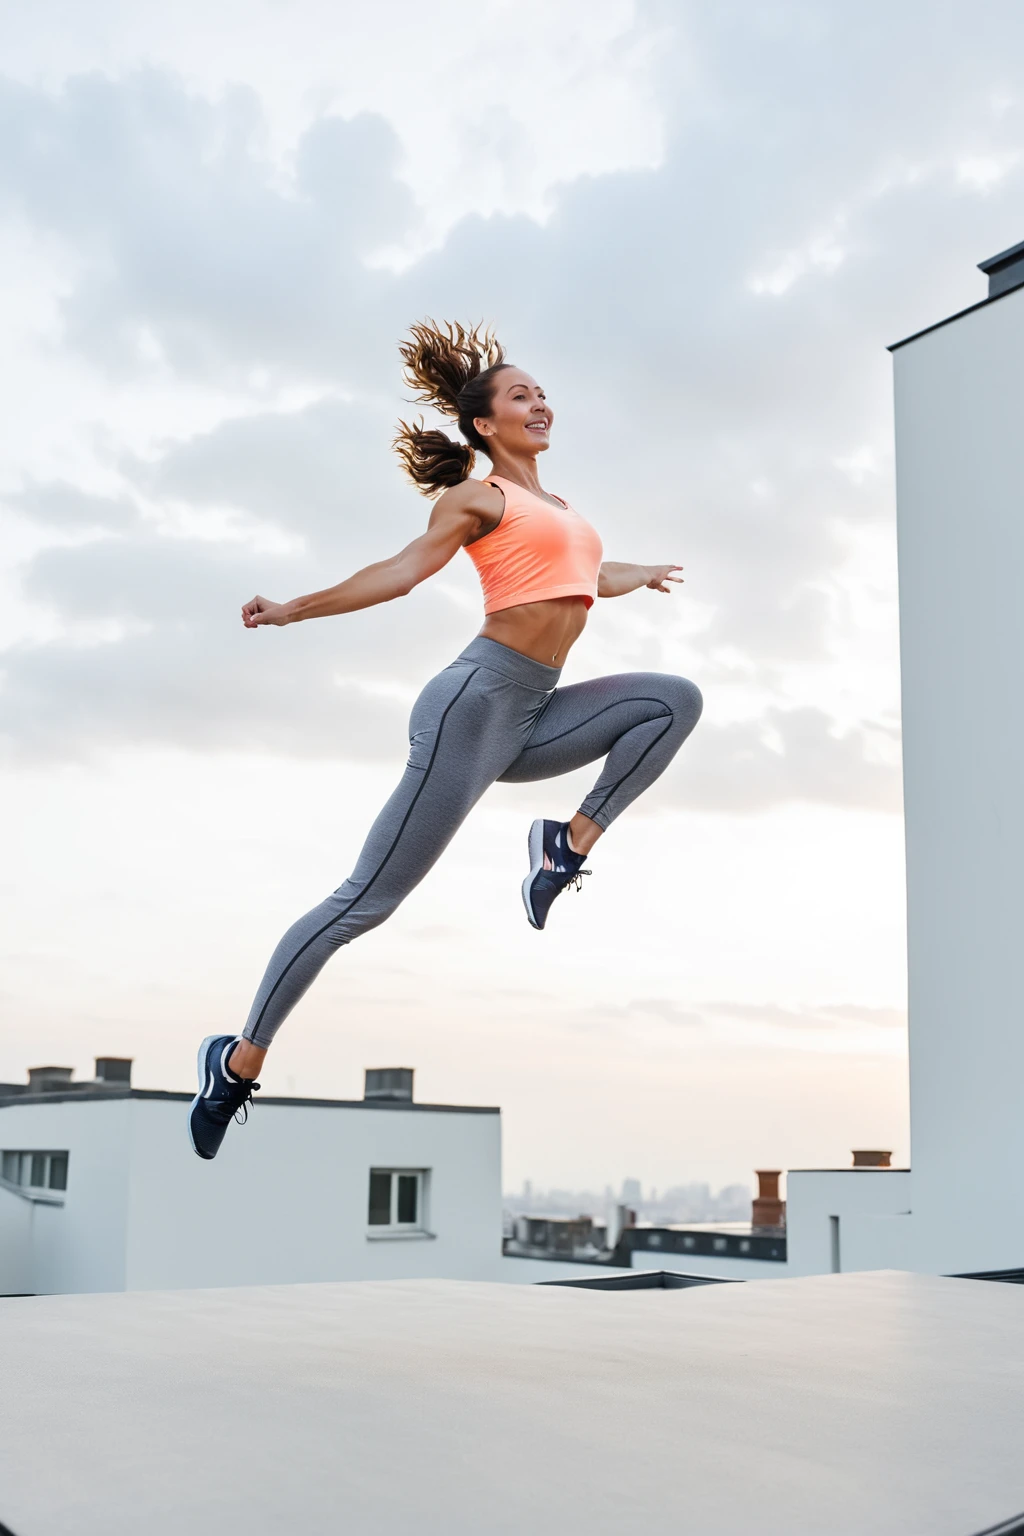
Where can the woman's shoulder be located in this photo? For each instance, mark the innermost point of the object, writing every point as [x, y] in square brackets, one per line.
[470, 494]
[470, 499]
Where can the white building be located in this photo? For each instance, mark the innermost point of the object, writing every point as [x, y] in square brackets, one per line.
[100, 1190]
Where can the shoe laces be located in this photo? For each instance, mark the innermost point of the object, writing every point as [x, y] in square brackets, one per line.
[242, 1112]
[576, 880]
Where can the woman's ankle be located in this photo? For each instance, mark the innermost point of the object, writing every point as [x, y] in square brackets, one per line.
[246, 1060]
[583, 834]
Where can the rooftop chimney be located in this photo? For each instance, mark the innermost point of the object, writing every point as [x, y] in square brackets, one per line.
[871, 1159]
[394, 1083]
[114, 1070]
[49, 1079]
[768, 1210]
[1004, 271]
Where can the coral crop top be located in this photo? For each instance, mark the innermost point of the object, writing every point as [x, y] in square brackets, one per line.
[536, 552]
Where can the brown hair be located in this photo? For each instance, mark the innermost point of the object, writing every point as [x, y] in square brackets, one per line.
[452, 369]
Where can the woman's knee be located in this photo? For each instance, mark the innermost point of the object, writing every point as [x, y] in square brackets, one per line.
[683, 698]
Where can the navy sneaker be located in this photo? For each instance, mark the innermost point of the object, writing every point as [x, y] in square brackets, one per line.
[553, 866]
[223, 1096]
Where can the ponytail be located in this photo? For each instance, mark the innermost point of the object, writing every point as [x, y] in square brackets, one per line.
[453, 370]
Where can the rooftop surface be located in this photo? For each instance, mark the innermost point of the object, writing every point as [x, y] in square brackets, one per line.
[830, 1406]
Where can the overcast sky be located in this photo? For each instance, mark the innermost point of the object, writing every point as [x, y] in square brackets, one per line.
[698, 226]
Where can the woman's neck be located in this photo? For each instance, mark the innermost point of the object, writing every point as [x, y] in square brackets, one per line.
[521, 471]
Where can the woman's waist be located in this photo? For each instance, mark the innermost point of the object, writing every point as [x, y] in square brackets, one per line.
[544, 630]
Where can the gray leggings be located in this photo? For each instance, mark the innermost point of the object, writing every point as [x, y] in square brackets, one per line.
[492, 715]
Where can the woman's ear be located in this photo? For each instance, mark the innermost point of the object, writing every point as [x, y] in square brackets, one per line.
[483, 426]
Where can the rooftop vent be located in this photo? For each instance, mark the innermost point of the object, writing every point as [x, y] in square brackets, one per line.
[115, 1070]
[871, 1159]
[49, 1079]
[1004, 271]
[393, 1083]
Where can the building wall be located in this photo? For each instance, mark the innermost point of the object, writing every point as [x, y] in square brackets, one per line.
[871, 1207]
[79, 1246]
[286, 1199]
[15, 1243]
[960, 472]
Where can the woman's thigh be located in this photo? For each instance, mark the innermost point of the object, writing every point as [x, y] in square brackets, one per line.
[584, 721]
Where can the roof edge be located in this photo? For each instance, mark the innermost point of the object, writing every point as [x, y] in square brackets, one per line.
[106, 1095]
[993, 298]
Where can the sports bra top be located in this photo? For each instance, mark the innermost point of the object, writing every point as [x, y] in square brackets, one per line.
[536, 552]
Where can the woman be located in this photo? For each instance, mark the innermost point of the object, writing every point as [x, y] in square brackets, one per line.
[496, 713]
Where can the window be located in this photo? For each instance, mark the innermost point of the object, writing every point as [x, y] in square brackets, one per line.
[35, 1170]
[397, 1199]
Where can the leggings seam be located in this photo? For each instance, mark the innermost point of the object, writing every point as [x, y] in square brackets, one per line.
[394, 844]
[636, 765]
[633, 699]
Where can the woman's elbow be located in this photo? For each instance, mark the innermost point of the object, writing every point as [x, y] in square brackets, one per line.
[403, 577]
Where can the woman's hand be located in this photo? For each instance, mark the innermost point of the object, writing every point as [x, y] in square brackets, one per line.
[659, 575]
[262, 611]
[616, 579]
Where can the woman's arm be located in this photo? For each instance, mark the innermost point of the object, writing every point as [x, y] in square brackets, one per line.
[616, 579]
[458, 516]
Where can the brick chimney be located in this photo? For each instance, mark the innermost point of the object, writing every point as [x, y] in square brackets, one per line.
[871, 1159]
[768, 1210]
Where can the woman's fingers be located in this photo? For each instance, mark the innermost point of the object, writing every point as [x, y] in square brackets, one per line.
[662, 574]
[253, 613]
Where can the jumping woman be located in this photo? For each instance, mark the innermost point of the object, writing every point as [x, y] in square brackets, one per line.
[497, 713]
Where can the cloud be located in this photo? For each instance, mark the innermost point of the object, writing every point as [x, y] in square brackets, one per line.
[188, 251]
[712, 331]
[786, 755]
[824, 1016]
[61, 505]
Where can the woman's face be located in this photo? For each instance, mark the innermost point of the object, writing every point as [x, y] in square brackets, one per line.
[520, 419]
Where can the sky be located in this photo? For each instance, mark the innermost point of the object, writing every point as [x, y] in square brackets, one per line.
[699, 227]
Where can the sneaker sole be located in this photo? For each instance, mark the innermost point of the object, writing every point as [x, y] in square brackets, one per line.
[201, 1074]
[535, 843]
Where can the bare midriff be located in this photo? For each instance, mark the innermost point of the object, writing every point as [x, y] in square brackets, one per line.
[545, 631]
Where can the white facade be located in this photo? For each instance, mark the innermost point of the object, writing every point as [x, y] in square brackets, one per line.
[287, 1198]
[960, 490]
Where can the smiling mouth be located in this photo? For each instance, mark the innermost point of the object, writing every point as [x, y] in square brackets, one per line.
[537, 426]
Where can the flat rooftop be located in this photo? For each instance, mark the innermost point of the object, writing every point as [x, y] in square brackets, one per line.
[834, 1406]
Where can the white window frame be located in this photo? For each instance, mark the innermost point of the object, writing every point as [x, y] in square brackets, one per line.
[21, 1185]
[393, 1229]
[23, 1180]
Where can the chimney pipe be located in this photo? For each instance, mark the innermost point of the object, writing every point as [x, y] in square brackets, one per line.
[389, 1083]
[768, 1210]
[114, 1070]
[49, 1079]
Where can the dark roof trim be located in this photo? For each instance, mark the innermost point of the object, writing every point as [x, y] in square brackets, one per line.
[1012, 1527]
[645, 1280]
[1004, 259]
[846, 1170]
[105, 1095]
[992, 299]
